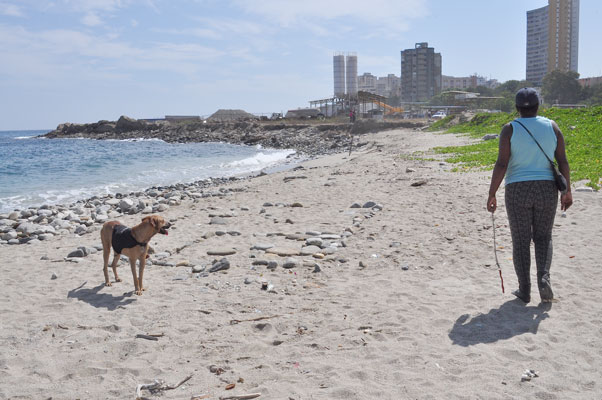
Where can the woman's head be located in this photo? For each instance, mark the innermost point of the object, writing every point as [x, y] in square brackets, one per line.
[527, 102]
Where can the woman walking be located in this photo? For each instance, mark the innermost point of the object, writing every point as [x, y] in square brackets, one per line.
[531, 194]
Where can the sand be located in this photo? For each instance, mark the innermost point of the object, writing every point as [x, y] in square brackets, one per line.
[410, 308]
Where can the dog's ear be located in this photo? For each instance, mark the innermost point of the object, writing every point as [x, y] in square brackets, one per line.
[151, 219]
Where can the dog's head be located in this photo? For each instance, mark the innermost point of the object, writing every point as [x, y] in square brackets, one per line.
[158, 223]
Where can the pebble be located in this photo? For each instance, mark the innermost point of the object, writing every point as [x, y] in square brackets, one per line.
[221, 252]
[220, 265]
[198, 268]
[217, 221]
[283, 251]
[54, 276]
[290, 263]
[262, 246]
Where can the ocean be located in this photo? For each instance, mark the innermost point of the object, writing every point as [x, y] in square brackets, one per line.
[36, 171]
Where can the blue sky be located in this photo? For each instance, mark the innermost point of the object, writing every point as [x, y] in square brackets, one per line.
[87, 60]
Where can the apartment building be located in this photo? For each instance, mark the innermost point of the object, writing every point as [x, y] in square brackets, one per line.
[552, 39]
[420, 73]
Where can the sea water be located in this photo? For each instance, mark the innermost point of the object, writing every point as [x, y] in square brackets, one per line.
[36, 171]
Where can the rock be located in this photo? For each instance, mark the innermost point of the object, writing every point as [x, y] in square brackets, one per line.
[330, 236]
[490, 136]
[54, 276]
[101, 218]
[198, 268]
[584, 189]
[183, 263]
[248, 281]
[316, 269]
[221, 252]
[147, 210]
[283, 251]
[296, 204]
[356, 205]
[77, 253]
[160, 208]
[217, 221]
[9, 235]
[126, 204]
[234, 233]
[45, 236]
[14, 241]
[126, 124]
[409, 170]
[207, 235]
[14, 215]
[268, 204]
[272, 265]
[45, 213]
[369, 204]
[81, 229]
[290, 263]
[309, 250]
[314, 241]
[419, 183]
[262, 246]
[27, 228]
[220, 265]
[260, 262]
[112, 202]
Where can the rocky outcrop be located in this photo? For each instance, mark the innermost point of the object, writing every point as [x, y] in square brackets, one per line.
[311, 139]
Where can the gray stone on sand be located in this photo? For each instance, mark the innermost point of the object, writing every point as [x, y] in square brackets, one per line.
[221, 251]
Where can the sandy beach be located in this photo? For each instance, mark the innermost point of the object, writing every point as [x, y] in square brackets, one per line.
[397, 300]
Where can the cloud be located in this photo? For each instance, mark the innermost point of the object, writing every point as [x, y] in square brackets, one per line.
[10, 10]
[389, 13]
[91, 19]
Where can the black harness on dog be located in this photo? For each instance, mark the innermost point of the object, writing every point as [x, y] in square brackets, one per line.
[123, 239]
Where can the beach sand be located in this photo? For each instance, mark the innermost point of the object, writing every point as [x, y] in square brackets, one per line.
[410, 308]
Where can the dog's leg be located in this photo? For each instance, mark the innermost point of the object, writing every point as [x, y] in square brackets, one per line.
[116, 258]
[142, 264]
[106, 253]
[137, 288]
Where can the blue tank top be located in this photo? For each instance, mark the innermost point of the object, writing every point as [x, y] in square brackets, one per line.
[527, 162]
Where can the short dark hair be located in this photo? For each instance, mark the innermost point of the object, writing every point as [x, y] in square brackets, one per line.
[527, 110]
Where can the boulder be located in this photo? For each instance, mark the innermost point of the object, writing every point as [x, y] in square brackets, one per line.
[126, 124]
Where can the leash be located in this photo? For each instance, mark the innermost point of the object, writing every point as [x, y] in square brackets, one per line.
[495, 252]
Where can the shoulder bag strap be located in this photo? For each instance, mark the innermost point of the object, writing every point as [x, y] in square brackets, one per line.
[535, 140]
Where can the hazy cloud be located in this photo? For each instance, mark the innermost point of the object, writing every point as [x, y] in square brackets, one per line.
[91, 19]
[10, 10]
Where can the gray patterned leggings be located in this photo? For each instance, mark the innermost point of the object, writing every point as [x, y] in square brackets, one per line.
[531, 208]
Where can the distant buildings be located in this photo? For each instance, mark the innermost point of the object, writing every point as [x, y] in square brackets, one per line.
[552, 39]
[420, 73]
[589, 82]
[467, 82]
[387, 86]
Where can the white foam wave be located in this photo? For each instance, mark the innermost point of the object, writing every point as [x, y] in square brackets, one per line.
[23, 137]
[260, 160]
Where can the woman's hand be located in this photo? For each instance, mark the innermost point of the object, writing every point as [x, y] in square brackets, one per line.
[566, 200]
[491, 203]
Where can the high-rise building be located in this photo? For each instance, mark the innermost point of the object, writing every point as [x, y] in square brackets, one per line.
[420, 73]
[351, 74]
[552, 39]
[338, 66]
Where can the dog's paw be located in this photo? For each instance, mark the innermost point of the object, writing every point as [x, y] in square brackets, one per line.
[138, 292]
[108, 284]
[117, 279]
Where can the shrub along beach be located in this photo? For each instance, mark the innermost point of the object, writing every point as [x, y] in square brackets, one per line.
[582, 130]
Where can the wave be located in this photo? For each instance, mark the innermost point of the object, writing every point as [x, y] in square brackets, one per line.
[260, 159]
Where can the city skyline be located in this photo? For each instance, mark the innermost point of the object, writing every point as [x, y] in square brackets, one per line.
[67, 61]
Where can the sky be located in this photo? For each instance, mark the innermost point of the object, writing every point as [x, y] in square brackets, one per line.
[88, 60]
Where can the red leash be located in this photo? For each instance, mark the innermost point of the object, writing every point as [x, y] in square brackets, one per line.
[495, 252]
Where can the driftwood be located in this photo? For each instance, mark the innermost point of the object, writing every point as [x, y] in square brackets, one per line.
[236, 321]
[241, 396]
[147, 337]
[158, 386]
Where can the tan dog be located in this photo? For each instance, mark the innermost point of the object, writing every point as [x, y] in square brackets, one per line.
[131, 242]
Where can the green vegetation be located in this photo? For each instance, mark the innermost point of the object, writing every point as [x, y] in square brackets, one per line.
[582, 129]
